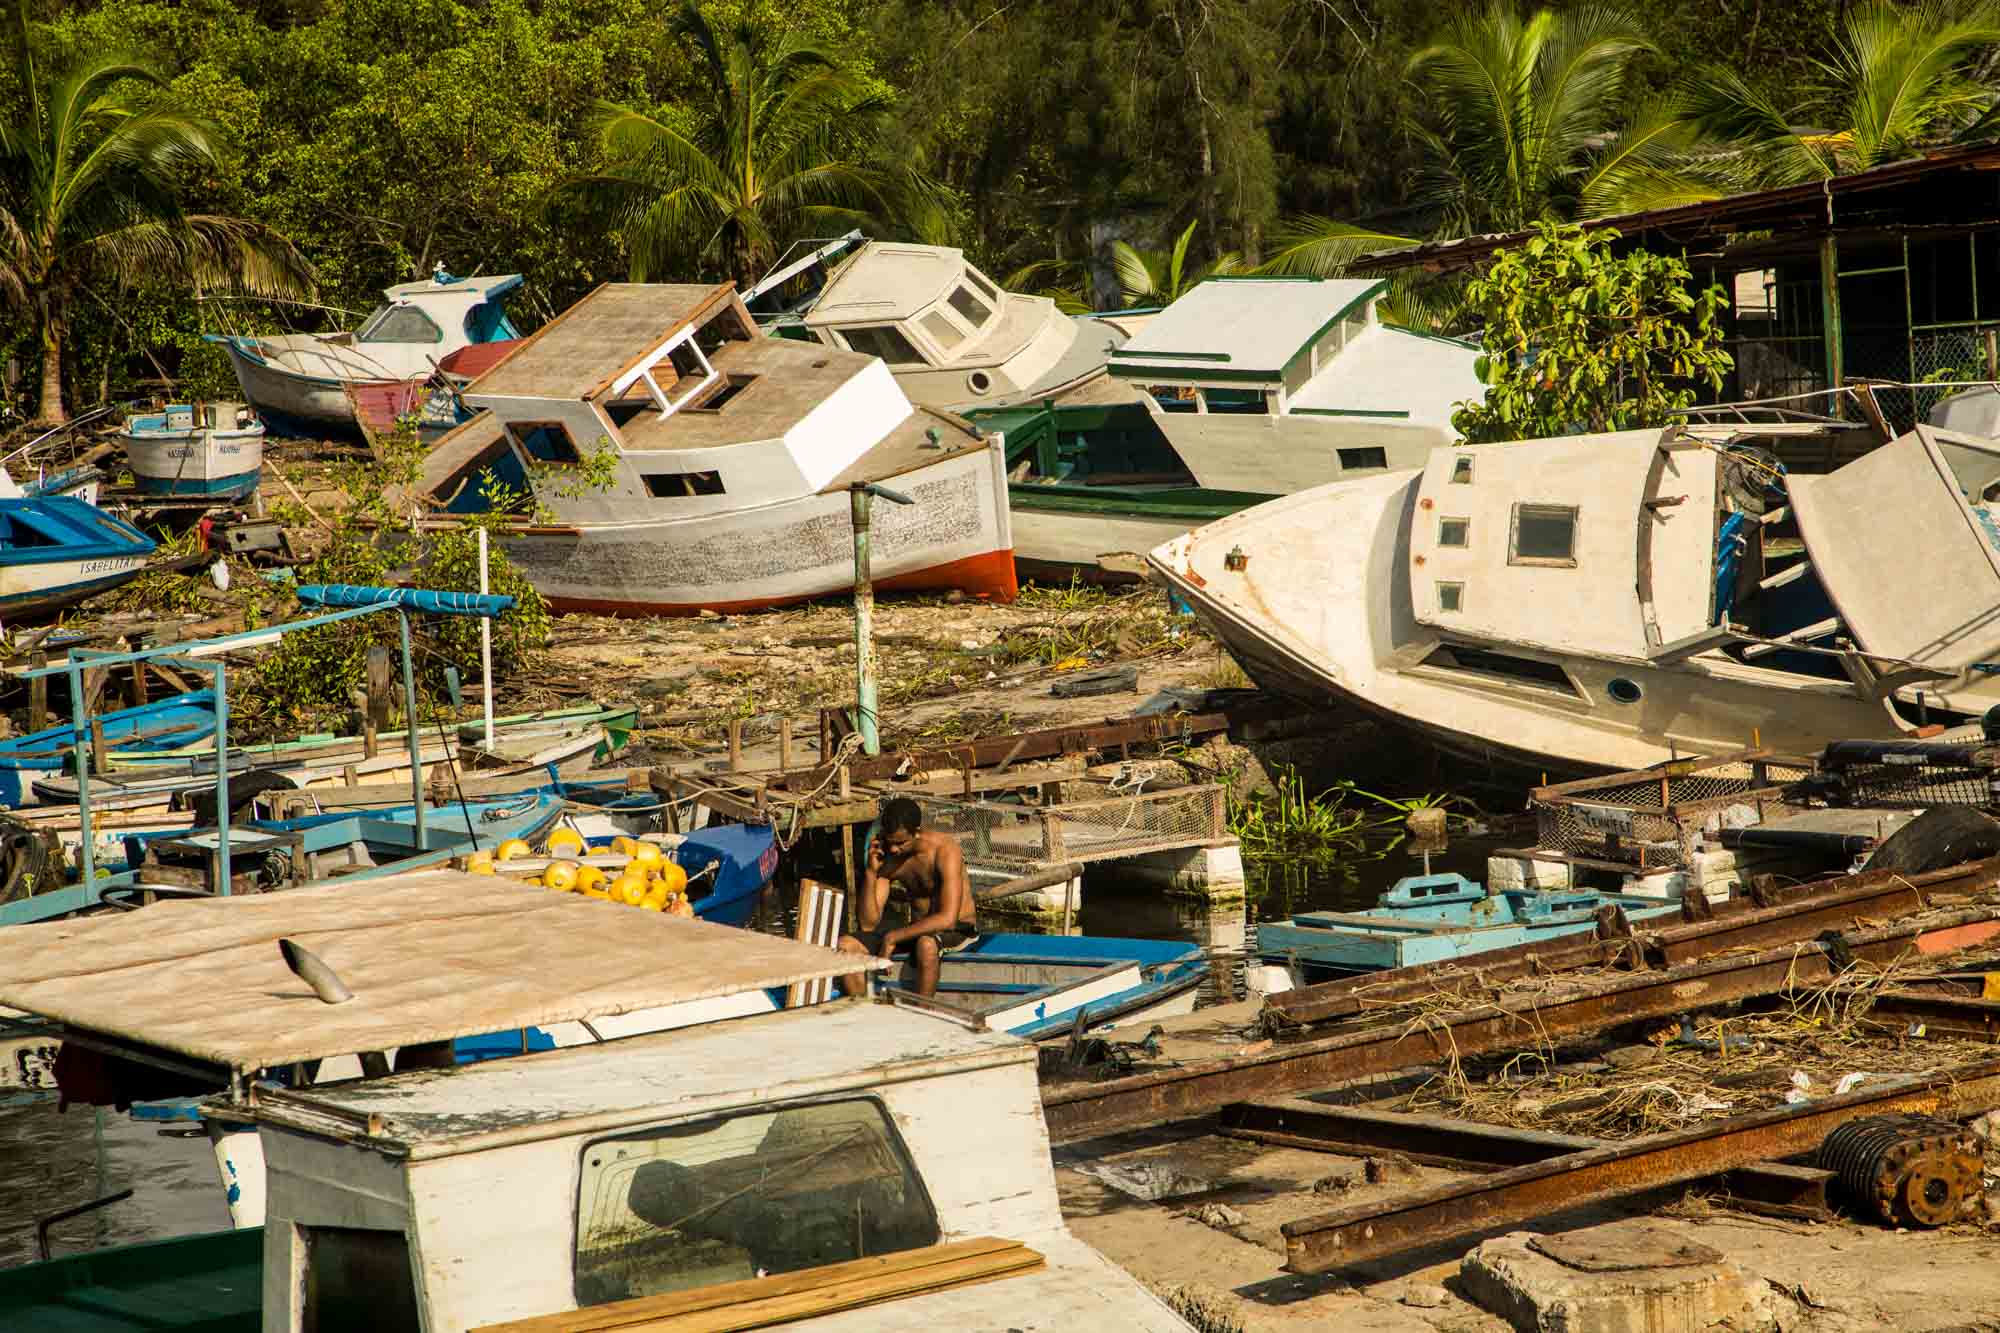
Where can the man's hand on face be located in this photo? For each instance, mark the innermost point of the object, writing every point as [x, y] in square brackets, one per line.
[875, 856]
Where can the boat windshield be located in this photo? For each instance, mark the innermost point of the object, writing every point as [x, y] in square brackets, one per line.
[745, 1196]
[399, 324]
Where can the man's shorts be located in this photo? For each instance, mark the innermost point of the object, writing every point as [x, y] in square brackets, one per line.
[948, 941]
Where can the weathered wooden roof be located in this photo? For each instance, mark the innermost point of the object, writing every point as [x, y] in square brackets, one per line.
[577, 354]
[1237, 328]
[430, 956]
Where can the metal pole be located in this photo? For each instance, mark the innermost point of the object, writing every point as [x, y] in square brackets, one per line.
[410, 729]
[859, 497]
[222, 775]
[486, 643]
[73, 672]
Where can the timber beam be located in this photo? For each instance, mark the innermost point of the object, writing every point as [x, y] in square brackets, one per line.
[1348, 1236]
[1766, 1187]
[1085, 1110]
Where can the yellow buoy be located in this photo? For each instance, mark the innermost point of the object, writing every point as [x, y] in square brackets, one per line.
[566, 842]
[562, 876]
[510, 849]
[629, 888]
[590, 880]
[656, 899]
[480, 863]
[647, 854]
[672, 877]
[623, 845]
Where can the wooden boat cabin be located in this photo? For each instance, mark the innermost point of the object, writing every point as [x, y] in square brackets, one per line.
[1272, 385]
[953, 338]
[664, 457]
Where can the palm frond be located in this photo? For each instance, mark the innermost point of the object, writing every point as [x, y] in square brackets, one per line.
[1139, 274]
[1321, 247]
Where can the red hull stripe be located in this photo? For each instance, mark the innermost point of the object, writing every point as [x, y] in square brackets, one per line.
[989, 577]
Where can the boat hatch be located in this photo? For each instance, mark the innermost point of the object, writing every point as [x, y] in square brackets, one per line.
[430, 956]
[1859, 524]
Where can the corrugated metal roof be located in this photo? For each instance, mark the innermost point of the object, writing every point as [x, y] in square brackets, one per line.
[1232, 326]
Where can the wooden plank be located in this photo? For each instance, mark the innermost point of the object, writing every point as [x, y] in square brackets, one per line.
[787, 1296]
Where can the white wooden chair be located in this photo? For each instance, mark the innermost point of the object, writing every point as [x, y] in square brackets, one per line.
[820, 917]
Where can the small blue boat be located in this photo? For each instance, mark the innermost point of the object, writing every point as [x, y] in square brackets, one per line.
[55, 550]
[1036, 986]
[1432, 918]
[212, 450]
[183, 719]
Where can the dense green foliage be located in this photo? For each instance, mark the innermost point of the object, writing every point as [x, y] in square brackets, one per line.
[381, 138]
[1581, 339]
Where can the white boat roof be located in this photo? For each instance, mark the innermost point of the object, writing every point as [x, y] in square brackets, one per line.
[1391, 372]
[430, 956]
[755, 1060]
[485, 286]
[885, 281]
[1241, 328]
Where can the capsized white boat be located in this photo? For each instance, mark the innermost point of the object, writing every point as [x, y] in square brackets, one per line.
[1271, 385]
[954, 339]
[730, 459]
[307, 380]
[1610, 601]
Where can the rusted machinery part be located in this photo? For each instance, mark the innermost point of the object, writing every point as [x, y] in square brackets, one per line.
[1909, 1170]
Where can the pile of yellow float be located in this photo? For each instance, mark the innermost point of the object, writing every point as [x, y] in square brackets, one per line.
[649, 879]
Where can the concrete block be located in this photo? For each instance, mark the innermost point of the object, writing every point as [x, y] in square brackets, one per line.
[1214, 872]
[1635, 1276]
[1513, 872]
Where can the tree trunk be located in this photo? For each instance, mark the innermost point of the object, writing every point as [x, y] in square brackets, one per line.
[51, 411]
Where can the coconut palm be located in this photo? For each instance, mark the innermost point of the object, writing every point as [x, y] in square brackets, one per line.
[1161, 277]
[94, 196]
[1529, 122]
[1898, 77]
[789, 140]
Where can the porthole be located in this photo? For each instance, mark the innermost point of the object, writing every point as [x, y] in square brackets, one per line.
[1623, 690]
[980, 381]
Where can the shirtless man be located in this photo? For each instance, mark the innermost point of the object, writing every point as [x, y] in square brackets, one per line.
[927, 871]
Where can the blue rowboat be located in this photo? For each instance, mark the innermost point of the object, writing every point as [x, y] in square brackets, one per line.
[1432, 918]
[1036, 986]
[182, 719]
[214, 450]
[55, 550]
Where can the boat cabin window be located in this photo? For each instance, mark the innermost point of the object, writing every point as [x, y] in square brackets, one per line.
[742, 1196]
[679, 485]
[725, 393]
[487, 322]
[1502, 666]
[1461, 471]
[944, 333]
[1350, 459]
[358, 1281]
[400, 324]
[545, 441]
[1451, 597]
[976, 311]
[883, 340]
[1454, 531]
[982, 286]
[1543, 535]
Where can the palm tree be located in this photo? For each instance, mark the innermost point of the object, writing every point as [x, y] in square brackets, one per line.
[1899, 77]
[790, 140]
[1529, 123]
[94, 195]
[1161, 277]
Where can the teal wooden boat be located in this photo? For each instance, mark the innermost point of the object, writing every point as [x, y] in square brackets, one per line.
[1435, 918]
[211, 1283]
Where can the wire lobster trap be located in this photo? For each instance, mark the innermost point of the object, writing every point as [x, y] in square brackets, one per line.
[1908, 775]
[1653, 818]
[1024, 838]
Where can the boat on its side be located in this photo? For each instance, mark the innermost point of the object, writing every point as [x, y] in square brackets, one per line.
[213, 450]
[186, 718]
[1043, 986]
[1596, 603]
[680, 461]
[55, 551]
[305, 382]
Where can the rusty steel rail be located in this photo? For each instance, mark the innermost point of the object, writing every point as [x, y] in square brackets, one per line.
[1355, 1235]
[1083, 1110]
[1939, 1012]
[1800, 912]
[1766, 1187]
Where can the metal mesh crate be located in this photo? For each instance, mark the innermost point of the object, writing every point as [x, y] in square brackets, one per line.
[1653, 817]
[1908, 774]
[1024, 837]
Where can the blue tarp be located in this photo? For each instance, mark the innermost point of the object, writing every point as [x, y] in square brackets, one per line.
[416, 599]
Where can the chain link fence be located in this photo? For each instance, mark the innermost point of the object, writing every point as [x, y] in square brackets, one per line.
[1023, 838]
[1654, 817]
